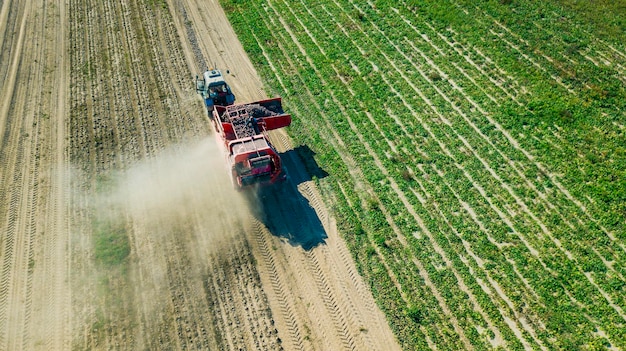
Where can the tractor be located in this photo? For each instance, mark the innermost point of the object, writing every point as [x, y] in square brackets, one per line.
[214, 90]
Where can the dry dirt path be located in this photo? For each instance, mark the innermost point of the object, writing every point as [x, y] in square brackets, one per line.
[34, 291]
[119, 227]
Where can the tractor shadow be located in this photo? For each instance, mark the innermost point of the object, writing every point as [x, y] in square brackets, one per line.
[306, 158]
[284, 210]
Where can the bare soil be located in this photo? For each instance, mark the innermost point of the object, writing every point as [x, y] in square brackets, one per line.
[119, 226]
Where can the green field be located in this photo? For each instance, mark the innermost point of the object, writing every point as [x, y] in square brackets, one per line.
[476, 158]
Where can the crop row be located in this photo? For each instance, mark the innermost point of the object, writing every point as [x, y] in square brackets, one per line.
[452, 203]
[118, 115]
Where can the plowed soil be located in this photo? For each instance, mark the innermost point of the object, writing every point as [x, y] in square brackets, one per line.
[119, 226]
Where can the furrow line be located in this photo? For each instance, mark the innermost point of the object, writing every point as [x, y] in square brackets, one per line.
[368, 114]
[497, 78]
[33, 114]
[500, 292]
[465, 117]
[441, 301]
[139, 99]
[90, 153]
[110, 129]
[405, 201]
[608, 61]
[165, 49]
[532, 250]
[250, 319]
[498, 340]
[407, 204]
[160, 77]
[616, 51]
[510, 162]
[595, 47]
[79, 104]
[178, 79]
[522, 52]
[215, 300]
[533, 62]
[556, 241]
[535, 50]
[189, 312]
[515, 144]
[127, 102]
[544, 229]
[336, 141]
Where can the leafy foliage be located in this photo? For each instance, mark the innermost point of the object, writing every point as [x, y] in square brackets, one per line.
[474, 154]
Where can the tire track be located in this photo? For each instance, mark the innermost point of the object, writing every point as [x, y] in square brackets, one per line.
[339, 262]
[346, 316]
[336, 299]
[287, 310]
[305, 334]
[17, 150]
[56, 256]
[338, 314]
[29, 266]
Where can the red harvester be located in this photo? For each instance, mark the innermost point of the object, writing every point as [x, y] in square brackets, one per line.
[243, 129]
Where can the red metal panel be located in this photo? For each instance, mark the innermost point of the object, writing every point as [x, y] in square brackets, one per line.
[275, 122]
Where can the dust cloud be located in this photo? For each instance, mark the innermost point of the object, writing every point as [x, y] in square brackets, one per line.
[161, 220]
[183, 186]
[174, 177]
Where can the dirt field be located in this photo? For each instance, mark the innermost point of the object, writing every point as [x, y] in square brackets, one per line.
[119, 226]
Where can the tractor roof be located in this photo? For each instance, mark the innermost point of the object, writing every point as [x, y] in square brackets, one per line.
[213, 76]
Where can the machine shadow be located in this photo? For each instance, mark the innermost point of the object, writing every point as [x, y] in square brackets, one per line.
[284, 210]
[305, 156]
